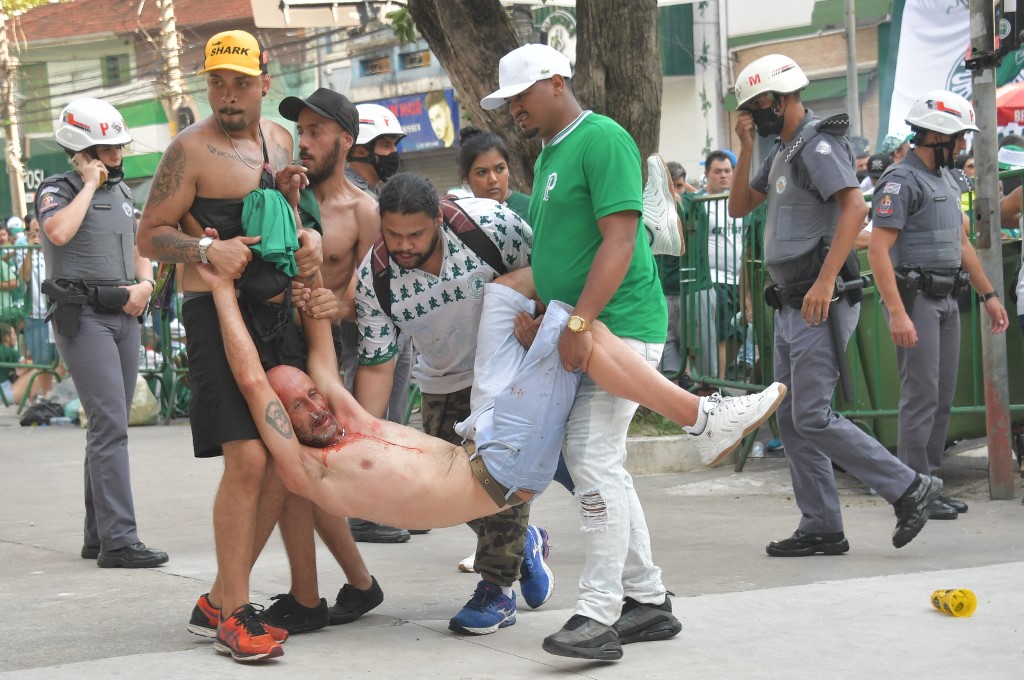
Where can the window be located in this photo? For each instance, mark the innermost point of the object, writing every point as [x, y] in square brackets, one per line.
[419, 59]
[372, 67]
[115, 69]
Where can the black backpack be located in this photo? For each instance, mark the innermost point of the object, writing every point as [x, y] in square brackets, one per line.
[468, 231]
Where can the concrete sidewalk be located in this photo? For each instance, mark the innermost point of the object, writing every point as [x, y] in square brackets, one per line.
[745, 615]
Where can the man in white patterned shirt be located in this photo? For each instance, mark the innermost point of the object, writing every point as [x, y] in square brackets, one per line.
[436, 273]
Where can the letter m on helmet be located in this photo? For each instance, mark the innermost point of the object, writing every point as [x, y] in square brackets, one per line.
[755, 79]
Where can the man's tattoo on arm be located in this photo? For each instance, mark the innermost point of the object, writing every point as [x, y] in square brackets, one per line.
[278, 419]
[169, 175]
[176, 247]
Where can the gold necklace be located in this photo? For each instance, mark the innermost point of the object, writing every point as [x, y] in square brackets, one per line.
[235, 149]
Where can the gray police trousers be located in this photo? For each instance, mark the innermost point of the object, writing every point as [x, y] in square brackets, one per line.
[104, 361]
[927, 382]
[813, 434]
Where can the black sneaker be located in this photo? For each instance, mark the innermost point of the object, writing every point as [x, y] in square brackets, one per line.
[912, 508]
[287, 613]
[640, 622]
[584, 638]
[365, 531]
[90, 552]
[803, 543]
[955, 503]
[353, 603]
[134, 556]
[940, 510]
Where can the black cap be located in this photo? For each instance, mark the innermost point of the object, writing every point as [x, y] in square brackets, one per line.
[878, 163]
[327, 103]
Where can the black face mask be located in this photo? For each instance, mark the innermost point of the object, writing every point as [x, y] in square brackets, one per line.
[114, 175]
[767, 122]
[387, 166]
[862, 175]
[944, 153]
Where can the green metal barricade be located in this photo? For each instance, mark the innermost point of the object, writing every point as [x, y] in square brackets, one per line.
[874, 403]
[16, 361]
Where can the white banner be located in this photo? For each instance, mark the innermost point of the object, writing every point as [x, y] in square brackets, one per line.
[934, 38]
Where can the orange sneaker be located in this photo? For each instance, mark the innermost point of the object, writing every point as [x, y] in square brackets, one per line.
[205, 618]
[244, 637]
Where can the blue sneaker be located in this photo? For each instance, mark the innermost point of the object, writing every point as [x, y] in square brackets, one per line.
[487, 611]
[536, 582]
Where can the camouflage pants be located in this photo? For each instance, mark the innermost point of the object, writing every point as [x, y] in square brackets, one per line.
[501, 537]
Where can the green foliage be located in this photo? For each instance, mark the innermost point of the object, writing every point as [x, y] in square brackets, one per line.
[12, 7]
[647, 423]
[403, 25]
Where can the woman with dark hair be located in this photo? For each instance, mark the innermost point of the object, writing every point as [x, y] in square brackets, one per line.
[483, 166]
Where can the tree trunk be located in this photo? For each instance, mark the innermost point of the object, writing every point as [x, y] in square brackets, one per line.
[617, 70]
[619, 65]
[469, 37]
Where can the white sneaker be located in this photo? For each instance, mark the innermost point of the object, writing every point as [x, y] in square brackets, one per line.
[730, 419]
[659, 213]
[466, 565]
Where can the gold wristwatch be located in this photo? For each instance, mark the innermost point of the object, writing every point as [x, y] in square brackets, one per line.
[577, 324]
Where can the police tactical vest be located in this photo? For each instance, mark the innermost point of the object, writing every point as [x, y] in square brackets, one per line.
[931, 237]
[103, 250]
[797, 220]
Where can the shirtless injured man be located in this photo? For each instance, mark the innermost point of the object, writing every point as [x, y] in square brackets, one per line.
[327, 448]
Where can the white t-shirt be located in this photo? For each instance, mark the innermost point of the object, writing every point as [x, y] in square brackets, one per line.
[725, 243]
[440, 313]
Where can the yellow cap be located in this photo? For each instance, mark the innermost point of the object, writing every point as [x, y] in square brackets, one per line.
[235, 51]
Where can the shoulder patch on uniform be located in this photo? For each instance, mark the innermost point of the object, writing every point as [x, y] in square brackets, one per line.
[47, 203]
[824, 148]
[48, 189]
[885, 206]
[892, 188]
[835, 125]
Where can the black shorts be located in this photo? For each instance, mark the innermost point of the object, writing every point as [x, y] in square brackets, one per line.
[217, 409]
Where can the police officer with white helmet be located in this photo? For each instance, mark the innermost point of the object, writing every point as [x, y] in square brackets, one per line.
[98, 285]
[374, 157]
[815, 211]
[923, 260]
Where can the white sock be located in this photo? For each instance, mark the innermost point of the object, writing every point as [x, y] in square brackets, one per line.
[506, 591]
[702, 418]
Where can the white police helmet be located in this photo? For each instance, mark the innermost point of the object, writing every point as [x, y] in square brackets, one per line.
[771, 73]
[376, 120]
[943, 112]
[88, 122]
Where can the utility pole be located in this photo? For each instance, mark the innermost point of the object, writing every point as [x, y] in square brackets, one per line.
[173, 92]
[982, 64]
[9, 90]
[852, 91]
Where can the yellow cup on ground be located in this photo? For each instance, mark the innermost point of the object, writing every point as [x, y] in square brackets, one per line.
[959, 602]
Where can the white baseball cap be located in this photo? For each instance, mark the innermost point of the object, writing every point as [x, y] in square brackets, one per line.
[521, 68]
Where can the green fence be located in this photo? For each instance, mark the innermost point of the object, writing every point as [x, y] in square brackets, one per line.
[871, 356]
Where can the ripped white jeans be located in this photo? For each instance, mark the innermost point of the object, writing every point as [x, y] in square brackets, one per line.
[617, 544]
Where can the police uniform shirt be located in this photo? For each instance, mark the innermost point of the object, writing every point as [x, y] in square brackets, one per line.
[824, 166]
[905, 200]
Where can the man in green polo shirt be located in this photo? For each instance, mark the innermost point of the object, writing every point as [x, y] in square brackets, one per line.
[588, 252]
